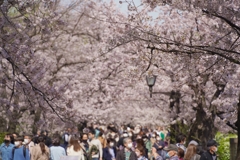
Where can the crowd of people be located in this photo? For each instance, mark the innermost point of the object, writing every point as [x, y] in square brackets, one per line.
[96, 143]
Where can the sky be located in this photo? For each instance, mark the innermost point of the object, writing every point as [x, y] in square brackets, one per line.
[123, 7]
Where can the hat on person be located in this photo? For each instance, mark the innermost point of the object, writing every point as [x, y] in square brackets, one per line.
[193, 142]
[171, 147]
[212, 143]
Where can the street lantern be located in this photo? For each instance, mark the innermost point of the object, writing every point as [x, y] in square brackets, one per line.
[150, 82]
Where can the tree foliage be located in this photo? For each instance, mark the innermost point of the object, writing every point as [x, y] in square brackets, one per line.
[88, 61]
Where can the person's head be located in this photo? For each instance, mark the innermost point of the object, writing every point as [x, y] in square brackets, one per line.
[130, 134]
[40, 141]
[56, 142]
[193, 142]
[140, 151]
[69, 130]
[111, 142]
[212, 146]
[74, 142]
[167, 139]
[140, 142]
[191, 151]
[125, 134]
[181, 139]
[139, 136]
[91, 134]
[27, 139]
[45, 133]
[101, 133]
[84, 137]
[160, 128]
[154, 135]
[38, 132]
[7, 138]
[158, 138]
[145, 138]
[154, 150]
[18, 141]
[15, 135]
[127, 142]
[172, 150]
[180, 152]
[113, 134]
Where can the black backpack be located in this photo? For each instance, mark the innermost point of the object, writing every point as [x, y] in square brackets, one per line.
[24, 151]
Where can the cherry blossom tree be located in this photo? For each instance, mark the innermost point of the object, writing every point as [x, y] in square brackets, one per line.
[26, 27]
[195, 28]
[89, 62]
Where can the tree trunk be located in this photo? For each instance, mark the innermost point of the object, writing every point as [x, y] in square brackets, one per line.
[203, 128]
[37, 117]
[3, 126]
[13, 121]
[15, 116]
[238, 127]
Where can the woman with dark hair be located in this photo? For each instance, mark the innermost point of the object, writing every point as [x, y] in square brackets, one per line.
[47, 139]
[84, 142]
[74, 148]
[40, 151]
[140, 143]
[191, 153]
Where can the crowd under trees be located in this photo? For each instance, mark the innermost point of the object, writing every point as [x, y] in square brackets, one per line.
[88, 61]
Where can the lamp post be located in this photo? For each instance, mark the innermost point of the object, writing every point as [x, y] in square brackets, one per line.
[150, 82]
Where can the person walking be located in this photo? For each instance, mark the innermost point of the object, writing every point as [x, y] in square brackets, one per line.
[140, 152]
[110, 151]
[191, 153]
[127, 153]
[181, 140]
[74, 148]
[29, 143]
[19, 152]
[159, 145]
[40, 151]
[84, 142]
[6, 148]
[210, 154]
[95, 148]
[56, 151]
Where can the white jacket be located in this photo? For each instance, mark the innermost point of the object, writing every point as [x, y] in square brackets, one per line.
[98, 144]
[71, 152]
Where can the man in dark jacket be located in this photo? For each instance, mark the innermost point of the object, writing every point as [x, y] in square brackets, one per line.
[110, 152]
[120, 142]
[210, 154]
[126, 153]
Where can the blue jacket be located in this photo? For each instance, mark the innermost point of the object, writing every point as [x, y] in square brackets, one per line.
[56, 152]
[6, 151]
[19, 155]
[107, 155]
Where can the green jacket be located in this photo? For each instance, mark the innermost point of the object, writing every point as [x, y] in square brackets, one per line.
[148, 145]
